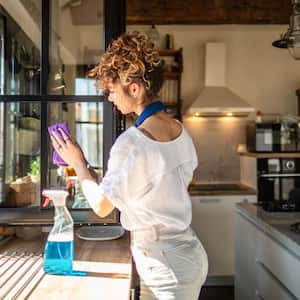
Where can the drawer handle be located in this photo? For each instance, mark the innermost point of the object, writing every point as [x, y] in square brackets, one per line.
[213, 200]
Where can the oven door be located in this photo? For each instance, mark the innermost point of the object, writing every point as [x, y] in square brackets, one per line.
[279, 192]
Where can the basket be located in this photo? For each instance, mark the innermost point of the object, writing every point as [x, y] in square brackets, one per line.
[22, 194]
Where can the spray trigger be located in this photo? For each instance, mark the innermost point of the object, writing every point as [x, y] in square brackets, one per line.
[46, 202]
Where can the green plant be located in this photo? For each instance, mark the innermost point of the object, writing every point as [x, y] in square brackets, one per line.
[35, 167]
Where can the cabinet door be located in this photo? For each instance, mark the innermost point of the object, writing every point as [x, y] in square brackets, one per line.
[213, 221]
[264, 269]
[246, 238]
[282, 266]
[269, 287]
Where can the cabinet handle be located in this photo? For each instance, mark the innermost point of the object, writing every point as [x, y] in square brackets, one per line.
[213, 200]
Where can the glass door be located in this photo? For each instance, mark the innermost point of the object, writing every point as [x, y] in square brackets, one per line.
[76, 45]
[46, 49]
[85, 121]
[20, 131]
[20, 113]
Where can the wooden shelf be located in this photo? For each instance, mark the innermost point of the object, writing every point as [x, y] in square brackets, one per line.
[272, 155]
[172, 75]
[169, 52]
[171, 90]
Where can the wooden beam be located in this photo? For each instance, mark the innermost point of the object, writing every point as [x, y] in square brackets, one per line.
[208, 12]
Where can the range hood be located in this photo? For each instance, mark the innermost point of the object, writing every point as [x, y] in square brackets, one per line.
[216, 99]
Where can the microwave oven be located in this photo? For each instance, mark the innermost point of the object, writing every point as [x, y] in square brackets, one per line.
[273, 137]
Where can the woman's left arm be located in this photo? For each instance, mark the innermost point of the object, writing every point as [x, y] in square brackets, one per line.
[72, 154]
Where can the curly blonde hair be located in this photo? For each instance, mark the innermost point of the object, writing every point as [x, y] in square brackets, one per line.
[130, 58]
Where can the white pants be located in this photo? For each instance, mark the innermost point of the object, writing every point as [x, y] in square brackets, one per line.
[170, 265]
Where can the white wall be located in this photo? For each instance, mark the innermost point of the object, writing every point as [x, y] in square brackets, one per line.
[264, 76]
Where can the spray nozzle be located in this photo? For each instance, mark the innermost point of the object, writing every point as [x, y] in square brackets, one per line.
[46, 202]
[58, 197]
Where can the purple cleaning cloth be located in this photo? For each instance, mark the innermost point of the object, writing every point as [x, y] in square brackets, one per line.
[56, 159]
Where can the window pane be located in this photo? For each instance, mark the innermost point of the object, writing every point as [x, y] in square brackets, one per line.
[19, 154]
[75, 45]
[84, 120]
[20, 44]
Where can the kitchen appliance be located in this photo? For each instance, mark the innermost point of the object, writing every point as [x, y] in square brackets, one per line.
[273, 137]
[216, 98]
[278, 184]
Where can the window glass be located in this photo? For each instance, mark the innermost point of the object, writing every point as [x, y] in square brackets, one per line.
[75, 45]
[19, 154]
[20, 44]
[85, 122]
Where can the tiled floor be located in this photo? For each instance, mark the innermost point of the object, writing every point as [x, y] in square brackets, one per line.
[217, 293]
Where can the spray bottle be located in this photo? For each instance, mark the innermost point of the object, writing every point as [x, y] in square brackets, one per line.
[59, 250]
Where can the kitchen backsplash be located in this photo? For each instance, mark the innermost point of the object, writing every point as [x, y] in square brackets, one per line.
[216, 141]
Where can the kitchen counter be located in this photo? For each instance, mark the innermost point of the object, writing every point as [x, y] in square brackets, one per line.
[223, 189]
[27, 216]
[274, 224]
[271, 154]
[108, 265]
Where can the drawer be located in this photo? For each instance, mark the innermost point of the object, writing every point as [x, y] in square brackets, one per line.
[268, 287]
[280, 262]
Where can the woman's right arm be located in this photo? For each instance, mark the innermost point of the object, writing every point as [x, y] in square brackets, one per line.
[92, 191]
[72, 154]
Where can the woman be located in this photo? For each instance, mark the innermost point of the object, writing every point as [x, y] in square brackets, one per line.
[149, 169]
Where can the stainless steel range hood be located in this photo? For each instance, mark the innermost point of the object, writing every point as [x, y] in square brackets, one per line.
[216, 99]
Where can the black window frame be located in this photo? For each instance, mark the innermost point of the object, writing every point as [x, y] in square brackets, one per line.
[114, 123]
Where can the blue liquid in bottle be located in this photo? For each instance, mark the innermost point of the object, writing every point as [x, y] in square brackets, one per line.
[58, 257]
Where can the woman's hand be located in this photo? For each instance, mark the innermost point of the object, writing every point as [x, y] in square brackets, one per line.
[67, 149]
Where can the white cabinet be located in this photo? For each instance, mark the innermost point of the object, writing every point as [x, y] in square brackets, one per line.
[265, 269]
[246, 238]
[213, 221]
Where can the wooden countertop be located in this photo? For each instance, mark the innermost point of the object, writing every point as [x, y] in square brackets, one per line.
[217, 190]
[271, 155]
[107, 263]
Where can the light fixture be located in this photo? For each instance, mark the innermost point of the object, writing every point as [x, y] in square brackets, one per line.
[291, 38]
[59, 79]
[229, 114]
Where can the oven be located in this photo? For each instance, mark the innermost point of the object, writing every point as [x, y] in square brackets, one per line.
[278, 182]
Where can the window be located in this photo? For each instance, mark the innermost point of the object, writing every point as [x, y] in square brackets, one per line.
[46, 48]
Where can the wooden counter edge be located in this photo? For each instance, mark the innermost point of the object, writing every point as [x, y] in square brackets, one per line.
[271, 155]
